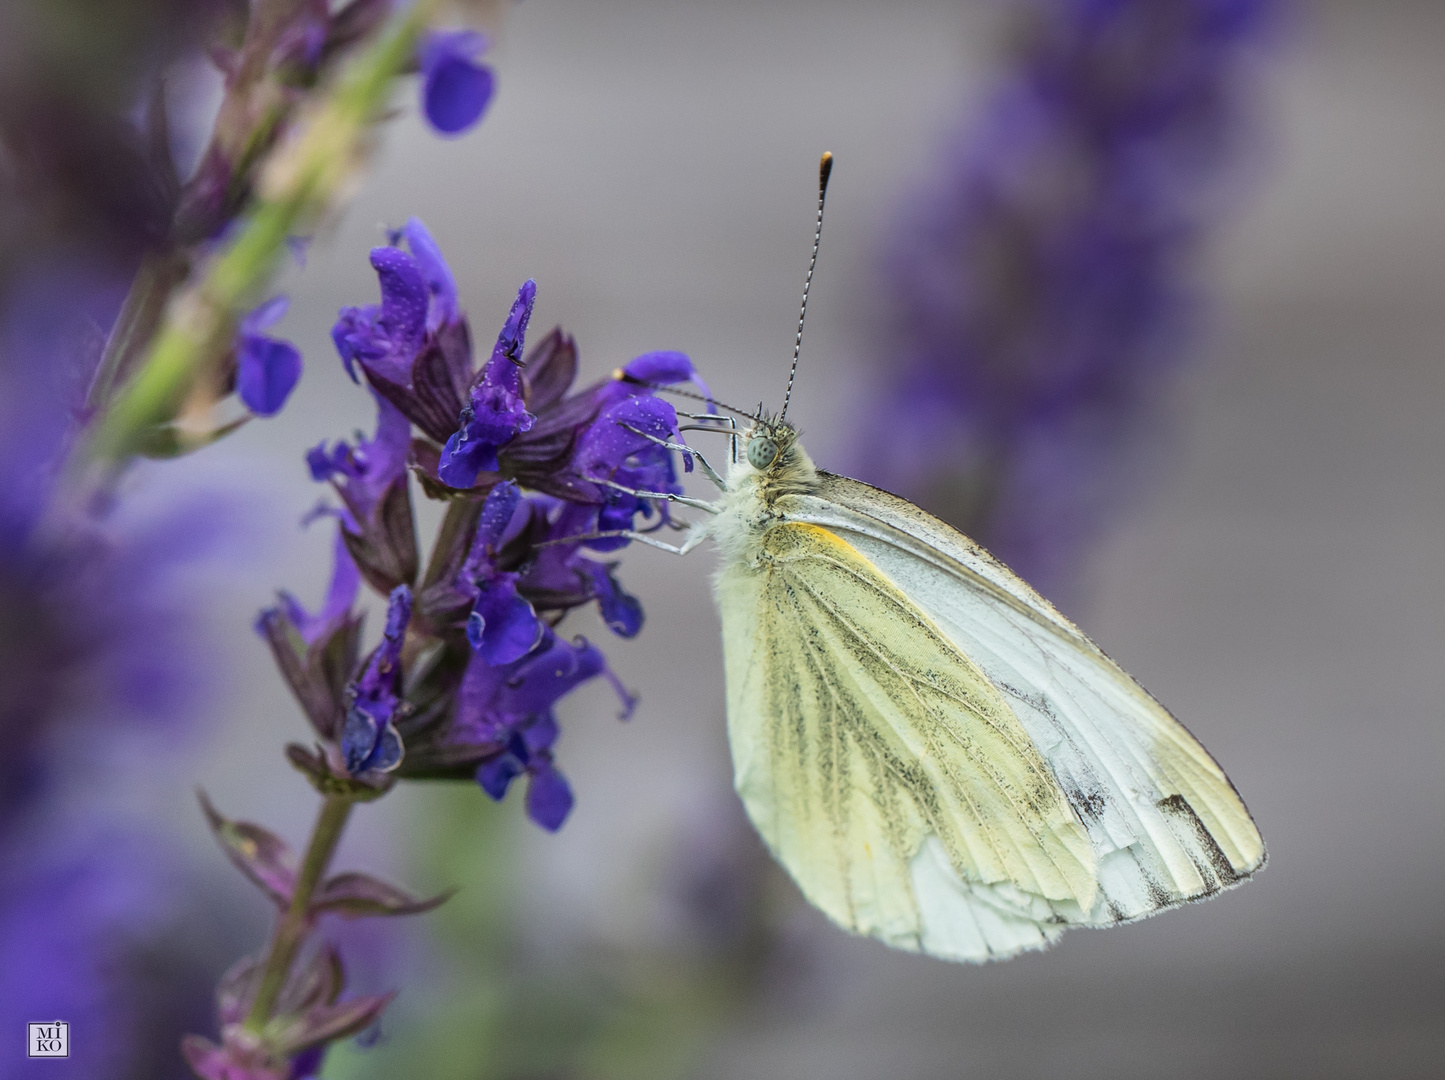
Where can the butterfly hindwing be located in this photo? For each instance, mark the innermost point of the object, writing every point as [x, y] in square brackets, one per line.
[884, 769]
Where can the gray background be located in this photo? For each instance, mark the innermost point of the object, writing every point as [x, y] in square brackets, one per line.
[651, 165]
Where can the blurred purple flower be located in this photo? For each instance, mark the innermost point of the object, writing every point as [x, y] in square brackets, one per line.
[267, 368]
[455, 88]
[63, 930]
[102, 926]
[1039, 280]
[93, 627]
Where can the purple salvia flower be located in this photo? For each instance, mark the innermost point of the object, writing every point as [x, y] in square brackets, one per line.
[440, 282]
[495, 412]
[371, 478]
[455, 88]
[414, 348]
[664, 368]
[509, 710]
[616, 448]
[369, 741]
[1038, 286]
[502, 627]
[267, 368]
[620, 610]
[362, 474]
[316, 653]
[386, 335]
[335, 608]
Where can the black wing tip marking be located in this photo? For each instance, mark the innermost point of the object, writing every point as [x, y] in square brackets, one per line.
[1177, 807]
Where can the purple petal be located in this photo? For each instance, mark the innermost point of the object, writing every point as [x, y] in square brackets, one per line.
[398, 614]
[495, 412]
[439, 46]
[267, 371]
[549, 797]
[368, 740]
[661, 367]
[502, 627]
[306, 1065]
[359, 739]
[455, 89]
[404, 298]
[621, 611]
[497, 512]
[298, 246]
[438, 275]
[340, 596]
[496, 774]
[355, 336]
[362, 474]
[387, 753]
[265, 316]
[665, 367]
[540, 734]
[547, 675]
[514, 330]
[463, 459]
[608, 443]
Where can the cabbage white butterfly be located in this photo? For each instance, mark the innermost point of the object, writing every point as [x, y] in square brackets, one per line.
[939, 758]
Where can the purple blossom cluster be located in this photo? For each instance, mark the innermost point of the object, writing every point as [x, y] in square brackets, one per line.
[538, 478]
[471, 665]
[1039, 281]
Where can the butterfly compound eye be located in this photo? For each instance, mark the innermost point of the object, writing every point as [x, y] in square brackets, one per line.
[762, 452]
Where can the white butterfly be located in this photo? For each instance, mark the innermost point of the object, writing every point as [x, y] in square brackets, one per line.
[937, 756]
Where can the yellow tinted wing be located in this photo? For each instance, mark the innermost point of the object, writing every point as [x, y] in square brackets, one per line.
[860, 731]
[1166, 824]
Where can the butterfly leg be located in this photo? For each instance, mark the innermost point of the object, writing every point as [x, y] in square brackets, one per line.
[731, 431]
[707, 470]
[697, 504]
[695, 537]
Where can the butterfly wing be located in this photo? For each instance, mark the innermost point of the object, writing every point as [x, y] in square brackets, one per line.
[1164, 822]
[883, 767]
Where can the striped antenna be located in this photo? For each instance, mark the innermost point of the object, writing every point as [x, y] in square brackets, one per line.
[825, 168]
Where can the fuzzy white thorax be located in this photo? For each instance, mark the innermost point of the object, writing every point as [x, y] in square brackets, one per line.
[746, 508]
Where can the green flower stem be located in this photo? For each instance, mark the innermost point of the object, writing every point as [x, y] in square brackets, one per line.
[300, 181]
[292, 927]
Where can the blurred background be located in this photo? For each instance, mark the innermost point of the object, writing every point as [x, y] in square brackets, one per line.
[1263, 555]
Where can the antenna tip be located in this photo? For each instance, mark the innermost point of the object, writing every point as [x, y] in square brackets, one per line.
[825, 169]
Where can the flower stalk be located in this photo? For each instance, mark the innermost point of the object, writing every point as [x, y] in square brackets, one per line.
[299, 183]
[295, 922]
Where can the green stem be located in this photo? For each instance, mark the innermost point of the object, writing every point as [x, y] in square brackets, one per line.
[291, 928]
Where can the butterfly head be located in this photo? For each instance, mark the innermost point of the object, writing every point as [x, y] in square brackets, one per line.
[777, 458]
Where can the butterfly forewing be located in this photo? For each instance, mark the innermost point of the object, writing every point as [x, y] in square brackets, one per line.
[1164, 821]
